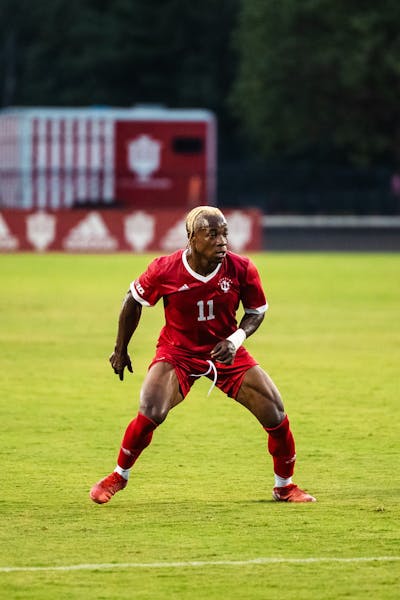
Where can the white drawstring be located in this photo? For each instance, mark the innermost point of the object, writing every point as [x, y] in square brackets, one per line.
[212, 368]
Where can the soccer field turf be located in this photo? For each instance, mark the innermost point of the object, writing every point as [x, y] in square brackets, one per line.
[197, 519]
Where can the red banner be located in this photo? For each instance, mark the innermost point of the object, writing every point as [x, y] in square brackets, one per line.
[93, 231]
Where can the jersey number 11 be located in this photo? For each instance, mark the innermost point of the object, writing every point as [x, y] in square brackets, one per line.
[210, 308]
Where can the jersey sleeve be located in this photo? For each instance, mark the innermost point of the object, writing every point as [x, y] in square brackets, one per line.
[252, 293]
[146, 288]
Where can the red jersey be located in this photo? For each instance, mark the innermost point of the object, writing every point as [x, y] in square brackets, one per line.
[200, 310]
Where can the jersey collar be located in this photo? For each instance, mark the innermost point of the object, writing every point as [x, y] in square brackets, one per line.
[203, 278]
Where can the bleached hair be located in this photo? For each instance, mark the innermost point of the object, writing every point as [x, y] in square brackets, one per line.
[198, 217]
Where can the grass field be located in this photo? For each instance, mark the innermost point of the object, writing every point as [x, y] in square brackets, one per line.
[197, 520]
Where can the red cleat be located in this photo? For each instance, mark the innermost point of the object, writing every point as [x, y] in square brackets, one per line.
[291, 493]
[104, 490]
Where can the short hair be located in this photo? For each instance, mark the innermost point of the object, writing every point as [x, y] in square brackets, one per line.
[198, 217]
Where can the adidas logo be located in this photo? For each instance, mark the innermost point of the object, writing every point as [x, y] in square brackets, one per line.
[183, 287]
[174, 237]
[90, 234]
[7, 240]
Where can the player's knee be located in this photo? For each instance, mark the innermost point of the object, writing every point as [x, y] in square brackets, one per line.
[275, 418]
[155, 411]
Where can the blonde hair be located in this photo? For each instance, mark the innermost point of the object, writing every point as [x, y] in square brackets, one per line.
[198, 217]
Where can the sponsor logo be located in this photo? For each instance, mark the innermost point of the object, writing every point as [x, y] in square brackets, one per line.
[139, 230]
[41, 230]
[7, 240]
[91, 234]
[225, 284]
[144, 157]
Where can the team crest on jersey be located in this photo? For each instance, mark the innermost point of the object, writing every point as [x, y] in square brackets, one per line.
[225, 284]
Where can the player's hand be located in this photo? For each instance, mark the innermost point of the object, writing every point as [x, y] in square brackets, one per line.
[224, 352]
[120, 360]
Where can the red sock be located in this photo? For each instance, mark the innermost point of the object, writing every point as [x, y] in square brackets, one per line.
[282, 448]
[137, 437]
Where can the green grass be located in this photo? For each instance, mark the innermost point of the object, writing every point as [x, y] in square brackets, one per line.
[202, 490]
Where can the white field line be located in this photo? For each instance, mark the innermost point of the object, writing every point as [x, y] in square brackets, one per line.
[202, 563]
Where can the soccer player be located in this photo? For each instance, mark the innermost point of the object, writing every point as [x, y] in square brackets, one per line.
[201, 287]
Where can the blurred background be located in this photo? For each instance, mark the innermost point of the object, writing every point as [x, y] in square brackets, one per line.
[305, 94]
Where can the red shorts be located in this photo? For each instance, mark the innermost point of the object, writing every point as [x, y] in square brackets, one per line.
[188, 368]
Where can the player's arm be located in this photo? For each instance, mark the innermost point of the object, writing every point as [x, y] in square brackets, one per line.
[251, 322]
[225, 351]
[128, 321]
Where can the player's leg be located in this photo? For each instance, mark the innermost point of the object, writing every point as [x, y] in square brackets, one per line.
[160, 392]
[261, 397]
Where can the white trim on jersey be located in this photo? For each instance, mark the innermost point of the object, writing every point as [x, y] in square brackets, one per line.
[138, 298]
[256, 311]
[203, 278]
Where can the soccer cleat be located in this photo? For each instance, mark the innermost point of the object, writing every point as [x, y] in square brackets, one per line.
[104, 490]
[291, 493]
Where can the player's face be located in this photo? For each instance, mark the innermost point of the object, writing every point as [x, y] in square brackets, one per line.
[211, 242]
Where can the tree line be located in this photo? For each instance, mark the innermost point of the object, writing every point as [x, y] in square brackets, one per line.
[286, 79]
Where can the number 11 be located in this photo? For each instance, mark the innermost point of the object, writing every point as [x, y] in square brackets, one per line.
[202, 317]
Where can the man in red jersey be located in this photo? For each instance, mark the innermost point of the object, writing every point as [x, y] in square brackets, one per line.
[201, 287]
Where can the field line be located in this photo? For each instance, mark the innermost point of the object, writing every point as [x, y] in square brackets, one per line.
[202, 563]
